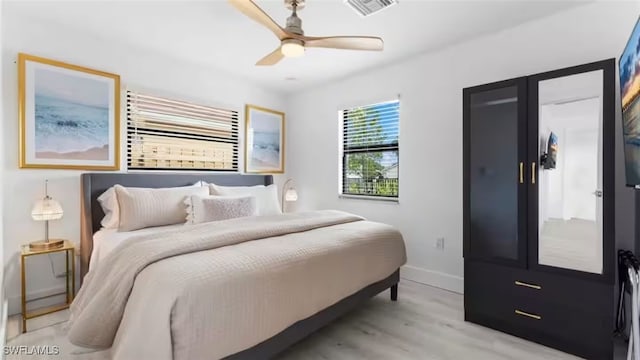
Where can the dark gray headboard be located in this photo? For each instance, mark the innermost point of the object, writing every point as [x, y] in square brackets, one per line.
[94, 184]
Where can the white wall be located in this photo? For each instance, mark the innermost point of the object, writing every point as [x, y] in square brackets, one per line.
[431, 127]
[555, 180]
[567, 191]
[544, 178]
[2, 283]
[581, 174]
[138, 70]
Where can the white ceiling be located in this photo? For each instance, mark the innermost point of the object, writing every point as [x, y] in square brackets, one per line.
[215, 34]
[570, 88]
[571, 102]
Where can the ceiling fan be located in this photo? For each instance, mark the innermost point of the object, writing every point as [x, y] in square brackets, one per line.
[292, 39]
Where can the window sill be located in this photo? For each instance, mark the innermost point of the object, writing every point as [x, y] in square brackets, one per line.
[365, 197]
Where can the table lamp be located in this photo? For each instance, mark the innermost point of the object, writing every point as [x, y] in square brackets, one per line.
[45, 210]
[289, 193]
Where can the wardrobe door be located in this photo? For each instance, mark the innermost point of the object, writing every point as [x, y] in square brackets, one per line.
[495, 172]
[571, 155]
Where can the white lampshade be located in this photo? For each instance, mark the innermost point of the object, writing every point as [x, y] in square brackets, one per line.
[292, 49]
[46, 209]
[291, 195]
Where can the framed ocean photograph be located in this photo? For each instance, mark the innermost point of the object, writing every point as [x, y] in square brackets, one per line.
[69, 116]
[264, 140]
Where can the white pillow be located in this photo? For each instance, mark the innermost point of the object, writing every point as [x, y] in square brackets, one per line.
[214, 208]
[109, 203]
[266, 196]
[142, 208]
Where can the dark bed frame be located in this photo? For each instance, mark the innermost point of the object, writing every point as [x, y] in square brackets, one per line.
[94, 184]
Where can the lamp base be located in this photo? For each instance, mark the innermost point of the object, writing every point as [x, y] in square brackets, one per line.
[42, 245]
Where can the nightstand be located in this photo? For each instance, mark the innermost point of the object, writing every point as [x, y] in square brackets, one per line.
[69, 250]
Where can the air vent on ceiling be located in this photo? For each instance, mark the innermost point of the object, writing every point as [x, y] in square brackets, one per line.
[369, 7]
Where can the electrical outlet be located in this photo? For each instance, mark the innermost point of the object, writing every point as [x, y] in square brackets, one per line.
[440, 243]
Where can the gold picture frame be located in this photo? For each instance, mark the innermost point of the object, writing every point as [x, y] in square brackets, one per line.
[69, 116]
[264, 145]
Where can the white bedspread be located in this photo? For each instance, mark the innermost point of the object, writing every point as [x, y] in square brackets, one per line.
[211, 290]
[105, 240]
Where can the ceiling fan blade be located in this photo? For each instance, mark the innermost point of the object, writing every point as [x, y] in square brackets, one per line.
[250, 9]
[346, 42]
[272, 58]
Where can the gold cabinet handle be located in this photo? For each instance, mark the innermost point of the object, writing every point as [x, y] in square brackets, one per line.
[533, 173]
[532, 286]
[521, 173]
[532, 316]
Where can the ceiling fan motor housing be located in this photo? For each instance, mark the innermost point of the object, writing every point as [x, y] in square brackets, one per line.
[299, 4]
[294, 24]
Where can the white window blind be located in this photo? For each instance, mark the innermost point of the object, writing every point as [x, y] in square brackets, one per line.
[165, 134]
[370, 150]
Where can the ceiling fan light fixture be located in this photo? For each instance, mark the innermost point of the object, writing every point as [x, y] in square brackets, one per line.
[293, 41]
[292, 48]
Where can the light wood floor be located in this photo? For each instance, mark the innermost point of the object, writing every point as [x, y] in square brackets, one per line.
[571, 244]
[426, 323]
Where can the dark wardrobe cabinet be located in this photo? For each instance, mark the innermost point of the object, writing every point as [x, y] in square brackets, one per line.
[539, 207]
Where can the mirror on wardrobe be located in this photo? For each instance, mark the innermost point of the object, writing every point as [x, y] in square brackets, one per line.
[570, 172]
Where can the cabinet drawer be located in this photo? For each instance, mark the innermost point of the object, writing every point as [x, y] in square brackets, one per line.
[557, 311]
[581, 295]
[564, 328]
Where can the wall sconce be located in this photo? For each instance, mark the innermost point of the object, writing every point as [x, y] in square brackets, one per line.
[289, 193]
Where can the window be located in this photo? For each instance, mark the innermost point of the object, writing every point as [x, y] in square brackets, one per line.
[165, 134]
[370, 150]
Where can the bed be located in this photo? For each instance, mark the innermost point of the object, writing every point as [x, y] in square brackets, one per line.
[316, 228]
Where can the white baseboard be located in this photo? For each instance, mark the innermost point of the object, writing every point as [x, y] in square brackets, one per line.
[45, 298]
[433, 278]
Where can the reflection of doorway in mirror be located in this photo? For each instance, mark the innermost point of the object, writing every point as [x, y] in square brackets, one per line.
[570, 217]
